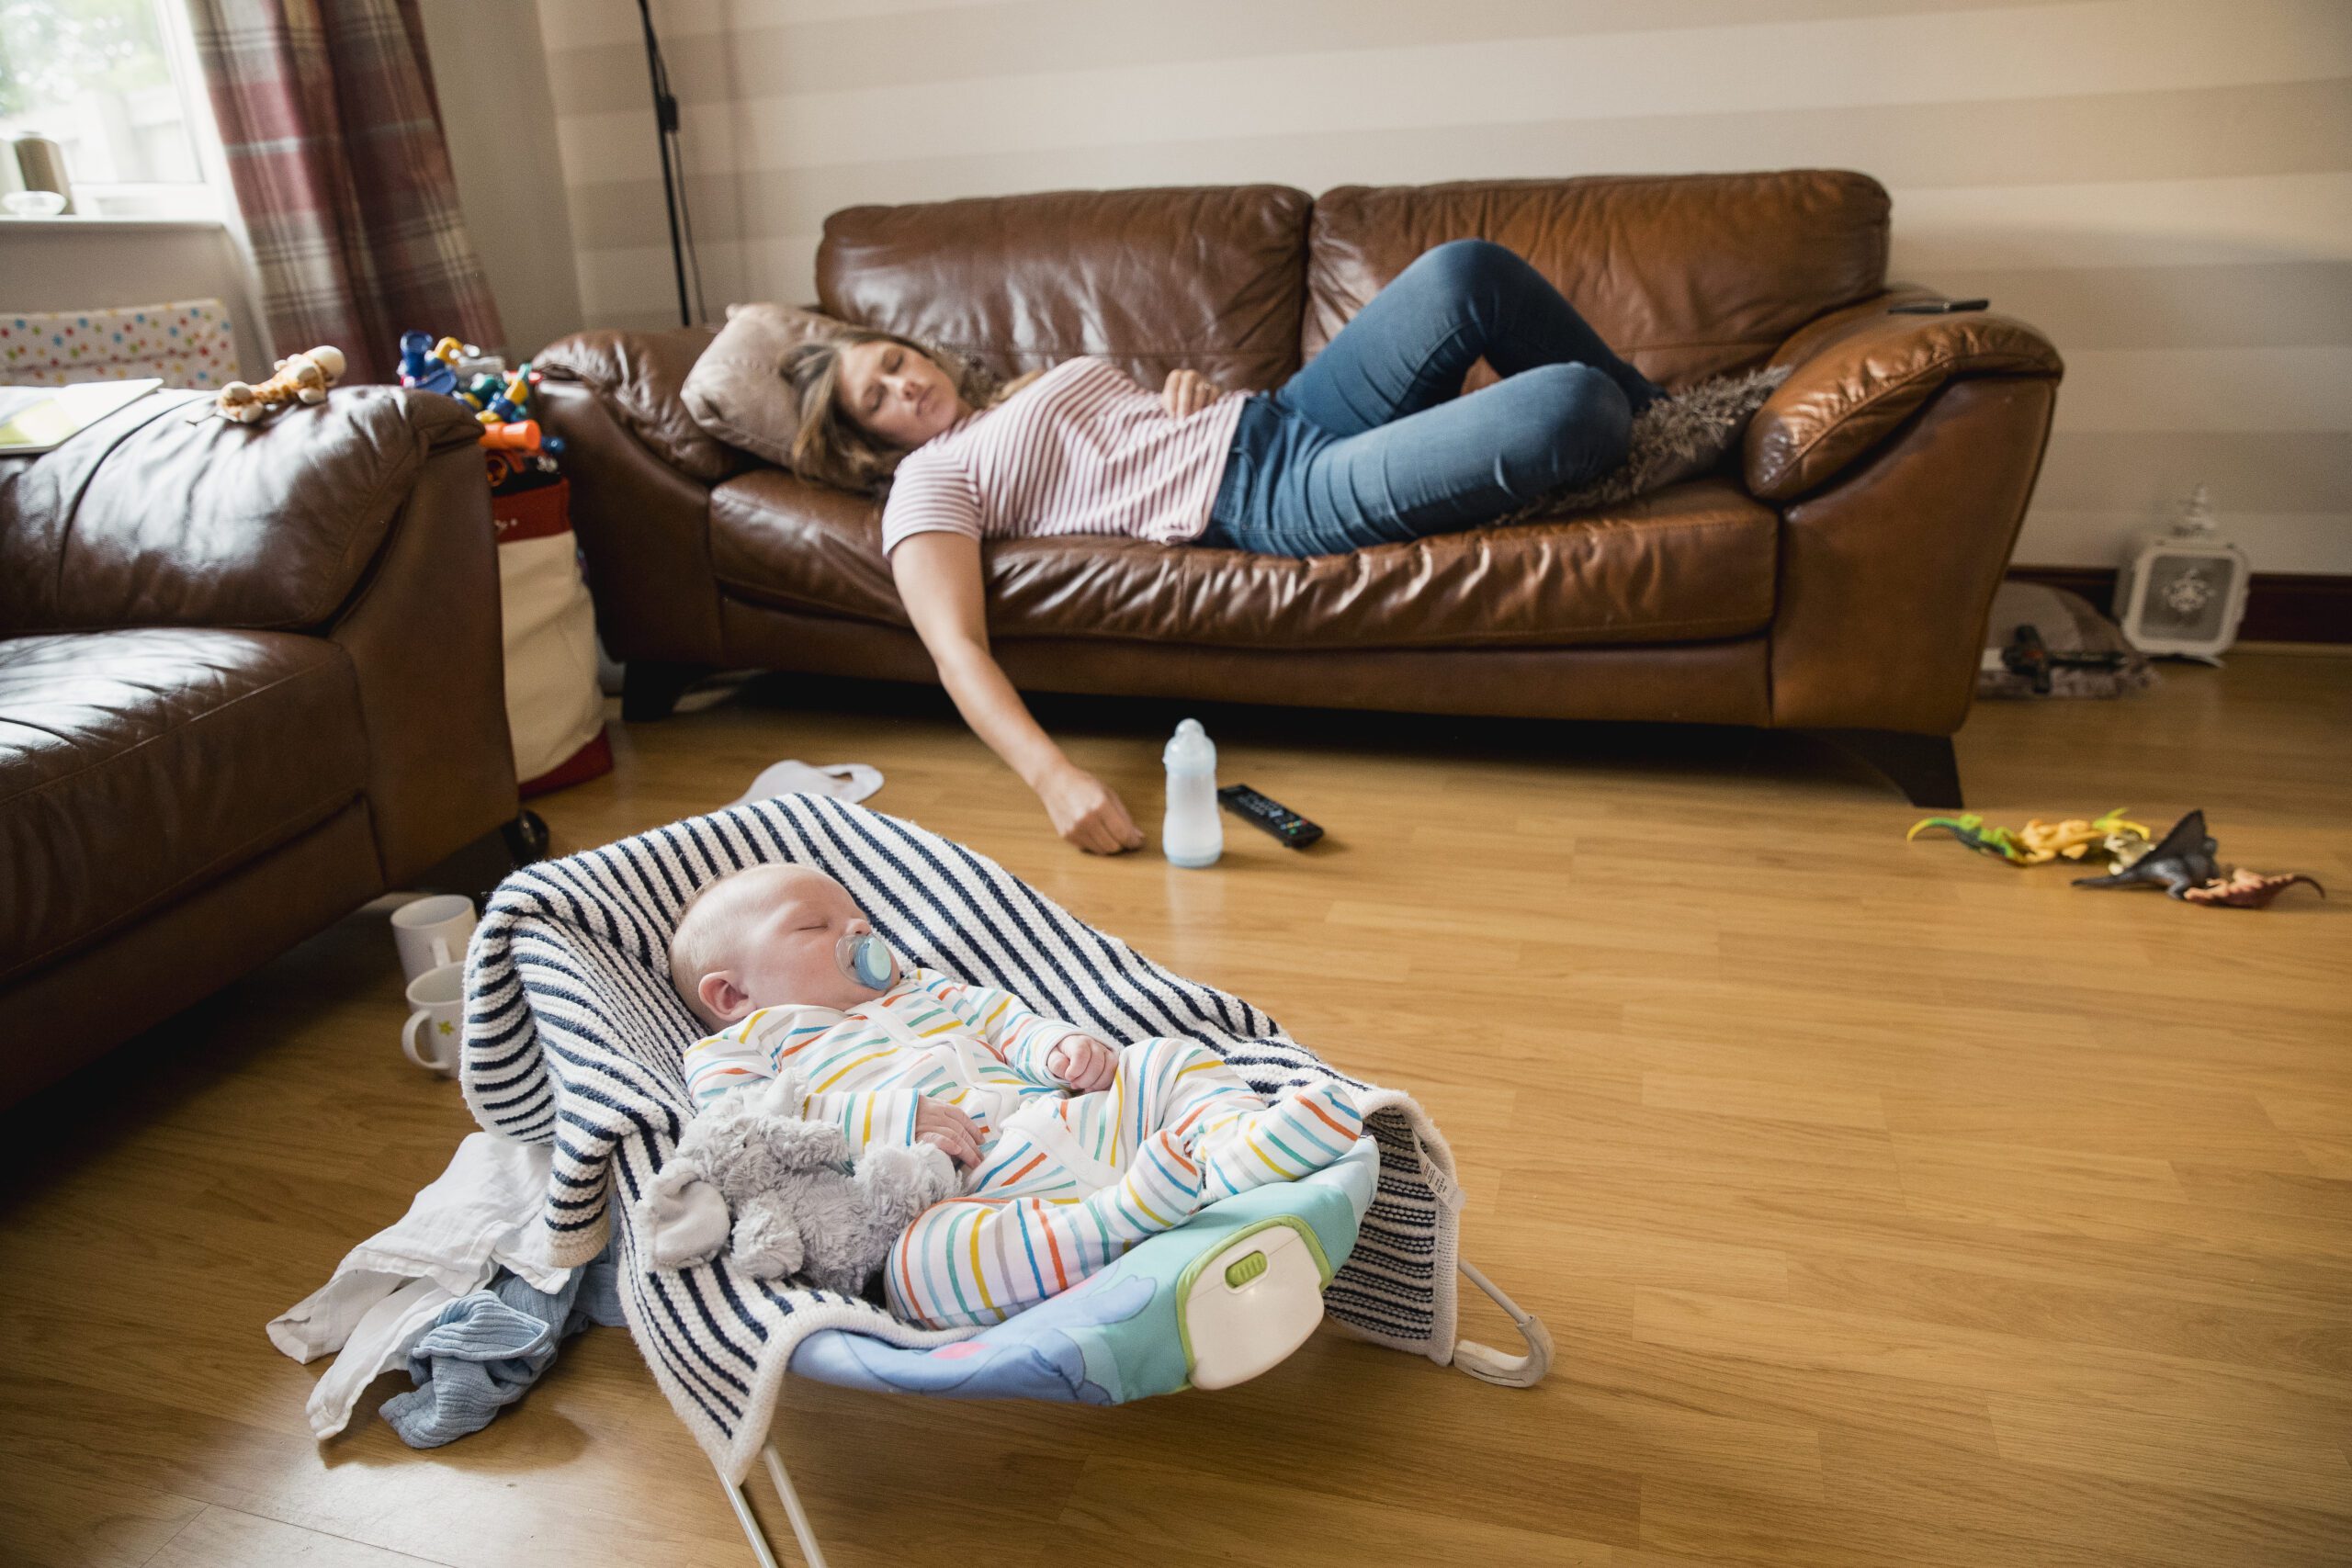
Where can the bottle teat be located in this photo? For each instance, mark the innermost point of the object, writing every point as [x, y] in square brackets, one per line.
[1190, 748]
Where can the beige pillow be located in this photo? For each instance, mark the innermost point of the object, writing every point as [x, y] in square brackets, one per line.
[736, 390]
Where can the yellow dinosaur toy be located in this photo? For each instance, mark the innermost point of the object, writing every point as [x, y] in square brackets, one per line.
[2039, 842]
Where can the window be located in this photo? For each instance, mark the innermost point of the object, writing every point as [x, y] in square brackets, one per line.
[115, 83]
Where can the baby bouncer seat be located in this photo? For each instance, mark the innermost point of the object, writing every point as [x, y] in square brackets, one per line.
[573, 1038]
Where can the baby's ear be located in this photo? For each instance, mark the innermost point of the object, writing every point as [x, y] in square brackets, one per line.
[722, 997]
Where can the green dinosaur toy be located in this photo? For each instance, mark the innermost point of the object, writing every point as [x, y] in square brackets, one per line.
[1970, 829]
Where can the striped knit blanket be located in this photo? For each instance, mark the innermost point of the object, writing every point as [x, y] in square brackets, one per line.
[573, 1038]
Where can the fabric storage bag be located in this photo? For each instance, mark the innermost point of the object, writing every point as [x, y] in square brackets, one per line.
[555, 708]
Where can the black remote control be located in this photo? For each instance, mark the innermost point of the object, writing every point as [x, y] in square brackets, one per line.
[1935, 307]
[1272, 815]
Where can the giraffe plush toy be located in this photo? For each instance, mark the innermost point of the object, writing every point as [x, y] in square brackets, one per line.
[301, 378]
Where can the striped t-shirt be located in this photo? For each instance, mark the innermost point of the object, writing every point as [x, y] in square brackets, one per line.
[1082, 450]
[978, 1048]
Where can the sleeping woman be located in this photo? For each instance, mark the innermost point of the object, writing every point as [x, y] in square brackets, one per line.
[1371, 443]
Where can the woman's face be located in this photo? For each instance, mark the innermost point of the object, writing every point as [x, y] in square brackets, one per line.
[895, 393]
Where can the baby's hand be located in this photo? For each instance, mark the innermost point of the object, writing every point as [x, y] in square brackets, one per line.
[1082, 1061]
[948, 1130]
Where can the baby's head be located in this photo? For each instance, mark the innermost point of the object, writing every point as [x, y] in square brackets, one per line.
[765, 936]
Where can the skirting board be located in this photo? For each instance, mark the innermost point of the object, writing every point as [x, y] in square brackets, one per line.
[2280, 606]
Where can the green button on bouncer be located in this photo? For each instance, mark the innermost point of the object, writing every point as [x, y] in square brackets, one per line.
[1241, 1270]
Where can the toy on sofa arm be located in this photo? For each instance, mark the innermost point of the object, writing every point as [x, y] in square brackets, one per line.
[301, 378]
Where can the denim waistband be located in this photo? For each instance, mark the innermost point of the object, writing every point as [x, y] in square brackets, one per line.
[1256, 435]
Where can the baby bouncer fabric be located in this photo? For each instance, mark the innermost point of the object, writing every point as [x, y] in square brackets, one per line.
[573, 1037]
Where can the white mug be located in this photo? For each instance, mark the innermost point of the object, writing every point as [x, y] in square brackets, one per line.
[433, 931]
[436, 1029]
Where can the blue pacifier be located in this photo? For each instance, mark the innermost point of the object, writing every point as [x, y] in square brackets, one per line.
[866, 959]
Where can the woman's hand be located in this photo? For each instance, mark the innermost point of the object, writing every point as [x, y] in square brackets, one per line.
[939, 580]
[1188, 391]
[1086, 813]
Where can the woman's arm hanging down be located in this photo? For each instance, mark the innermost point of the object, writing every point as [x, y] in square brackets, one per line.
[939, 581]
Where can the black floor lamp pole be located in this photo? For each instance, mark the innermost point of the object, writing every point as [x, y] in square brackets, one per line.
[665, 129]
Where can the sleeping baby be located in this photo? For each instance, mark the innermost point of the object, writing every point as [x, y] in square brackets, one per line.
[1073, 1150]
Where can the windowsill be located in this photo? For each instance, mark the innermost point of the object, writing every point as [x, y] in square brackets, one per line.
[69, 222]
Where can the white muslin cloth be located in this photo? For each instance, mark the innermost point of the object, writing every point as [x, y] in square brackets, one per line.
[843, 781]
[477, 1215]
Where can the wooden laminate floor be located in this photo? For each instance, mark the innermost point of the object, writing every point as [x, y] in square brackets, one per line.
[1889, 1206]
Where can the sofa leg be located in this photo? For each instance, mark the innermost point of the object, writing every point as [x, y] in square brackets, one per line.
[526, 839]
[650, 687]
[1922, 766]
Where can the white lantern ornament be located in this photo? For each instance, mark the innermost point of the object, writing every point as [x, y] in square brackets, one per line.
[2184, 592]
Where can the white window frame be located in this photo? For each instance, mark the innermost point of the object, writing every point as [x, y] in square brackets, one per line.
[206, 198]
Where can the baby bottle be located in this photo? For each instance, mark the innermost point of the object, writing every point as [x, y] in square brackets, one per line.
[1193, 833]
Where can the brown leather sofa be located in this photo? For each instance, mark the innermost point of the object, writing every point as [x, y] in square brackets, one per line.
[250, 677]
[1835, 577]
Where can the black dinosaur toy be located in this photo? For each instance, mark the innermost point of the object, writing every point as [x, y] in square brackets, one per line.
[2182, 859]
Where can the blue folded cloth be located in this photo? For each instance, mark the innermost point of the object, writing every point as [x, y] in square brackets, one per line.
[485, 1349]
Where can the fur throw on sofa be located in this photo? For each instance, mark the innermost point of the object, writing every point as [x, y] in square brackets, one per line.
[1679, 437]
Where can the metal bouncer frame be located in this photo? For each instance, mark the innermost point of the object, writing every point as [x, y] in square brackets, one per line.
[1481, 1362]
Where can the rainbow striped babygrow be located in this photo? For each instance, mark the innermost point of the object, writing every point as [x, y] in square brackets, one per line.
[1066, 1182]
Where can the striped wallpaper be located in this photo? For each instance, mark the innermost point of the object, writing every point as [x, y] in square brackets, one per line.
[2162, 186]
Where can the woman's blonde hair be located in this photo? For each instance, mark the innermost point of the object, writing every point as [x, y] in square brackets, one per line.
[832, 449]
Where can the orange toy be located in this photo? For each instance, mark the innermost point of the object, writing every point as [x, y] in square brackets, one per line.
[513, 436]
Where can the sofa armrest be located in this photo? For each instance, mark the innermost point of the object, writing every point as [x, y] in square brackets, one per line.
[149, 519]
[645, 529]
[638, 377]
[424, 637]
[1862, 372]
[1887, 574]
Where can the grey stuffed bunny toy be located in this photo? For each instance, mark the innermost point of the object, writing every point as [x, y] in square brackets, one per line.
[784, 1191]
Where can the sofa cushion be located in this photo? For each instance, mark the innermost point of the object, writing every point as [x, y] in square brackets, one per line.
[136, 765]
[1201, 277]
[148, 519]
[1687, 276]
[737, 390]
[1691, 562]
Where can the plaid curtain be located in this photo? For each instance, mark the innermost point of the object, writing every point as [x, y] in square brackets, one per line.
[335, 147]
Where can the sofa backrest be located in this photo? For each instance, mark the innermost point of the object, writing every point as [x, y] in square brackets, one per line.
[1687, 276]
[1208, 277]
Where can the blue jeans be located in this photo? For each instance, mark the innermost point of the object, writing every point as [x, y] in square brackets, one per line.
[1373, 443]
